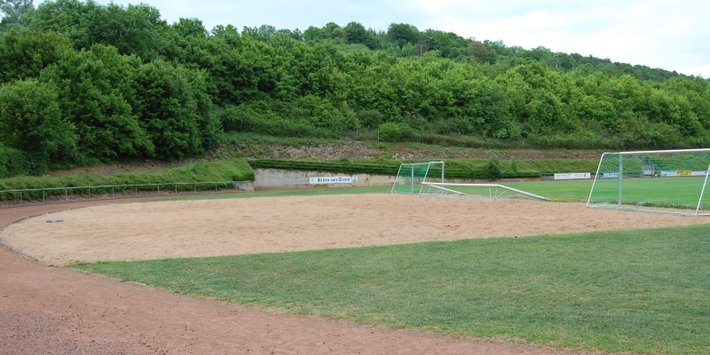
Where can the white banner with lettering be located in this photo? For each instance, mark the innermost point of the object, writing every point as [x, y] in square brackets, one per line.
[572, 176]
[333, 180]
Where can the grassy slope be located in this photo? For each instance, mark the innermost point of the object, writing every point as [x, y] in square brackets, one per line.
[307, 148]
[208, 171]
[642, 291]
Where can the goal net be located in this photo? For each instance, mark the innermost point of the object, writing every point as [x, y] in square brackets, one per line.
[411, 176]
[429, 178]
[665, 181]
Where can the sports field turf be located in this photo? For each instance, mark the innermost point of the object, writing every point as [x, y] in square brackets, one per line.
[660, 192]
[640, 291]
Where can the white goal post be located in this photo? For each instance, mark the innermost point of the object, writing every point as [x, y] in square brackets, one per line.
[493, 190]
[411, 176]
[430, 178]
[661, 181]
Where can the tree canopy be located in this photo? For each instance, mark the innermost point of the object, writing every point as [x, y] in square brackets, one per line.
[82, 82]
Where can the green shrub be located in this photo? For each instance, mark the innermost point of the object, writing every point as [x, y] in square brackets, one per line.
[370, 118]
[395, 132]
[257, 118]
[31, 121]
[13, 162]
[390, 132]
[493, 169]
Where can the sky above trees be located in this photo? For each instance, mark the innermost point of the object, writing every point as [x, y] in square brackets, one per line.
[671, 35]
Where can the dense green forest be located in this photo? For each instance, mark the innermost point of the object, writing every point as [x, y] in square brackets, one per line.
[82, 83]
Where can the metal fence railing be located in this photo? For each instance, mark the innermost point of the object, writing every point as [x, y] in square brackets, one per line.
[75, 193]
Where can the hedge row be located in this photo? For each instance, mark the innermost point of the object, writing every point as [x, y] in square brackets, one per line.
[335, 166]
[455, 169]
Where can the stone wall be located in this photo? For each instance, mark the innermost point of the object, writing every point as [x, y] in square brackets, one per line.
[279, 178]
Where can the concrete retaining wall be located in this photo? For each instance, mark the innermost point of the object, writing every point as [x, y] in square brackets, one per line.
[279, 178]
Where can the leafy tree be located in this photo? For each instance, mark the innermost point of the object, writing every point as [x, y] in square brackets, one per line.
[243, 70]
[69, 17]
[596, 113]
[697, 92]
[100, 79]
[169, 107]
[322, 113]
[536, 74]
[191, 27]
[370, 118]
[544, 114]
[356, 33]
[24, 53]
[337, 33]
[131, 85]
[137, 29]
[267, 32]
[15, 13]
[448, 44]
[402, 33]
[208, 121]
[479, 51]
[316, 34]
[190, 45]
[31, 121]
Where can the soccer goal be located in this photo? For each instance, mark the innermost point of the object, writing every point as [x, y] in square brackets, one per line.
[486, 191]
[411, 176]
[662, 181]
[429, 178]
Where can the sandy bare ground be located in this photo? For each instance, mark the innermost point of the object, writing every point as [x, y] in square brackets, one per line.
[49, 310]
[255, 225]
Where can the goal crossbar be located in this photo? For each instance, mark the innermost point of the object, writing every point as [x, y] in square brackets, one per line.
[637, 152]
[442, 186]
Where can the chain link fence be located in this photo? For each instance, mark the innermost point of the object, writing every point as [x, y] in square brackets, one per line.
[78, 193]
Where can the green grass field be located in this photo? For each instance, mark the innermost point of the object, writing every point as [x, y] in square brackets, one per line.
[680, 192]
[634, 291]
[641, 291]
[565, 191]
[560, 191]
[675, 192]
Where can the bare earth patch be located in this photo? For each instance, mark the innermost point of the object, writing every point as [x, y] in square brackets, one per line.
[53, 310]
[255, 225]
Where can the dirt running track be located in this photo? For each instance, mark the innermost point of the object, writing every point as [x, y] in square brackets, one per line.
[53, 310]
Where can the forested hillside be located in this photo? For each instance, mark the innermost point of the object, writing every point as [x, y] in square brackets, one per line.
[82, 82]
